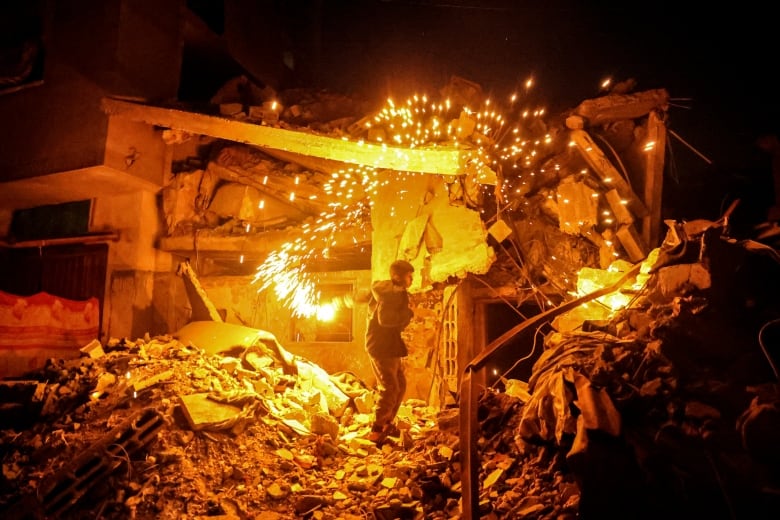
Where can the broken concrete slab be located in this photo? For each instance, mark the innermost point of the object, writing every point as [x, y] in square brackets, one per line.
[220, 337]
[202, 412]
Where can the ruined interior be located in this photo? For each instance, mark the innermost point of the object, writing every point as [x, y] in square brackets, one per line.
[576, 351]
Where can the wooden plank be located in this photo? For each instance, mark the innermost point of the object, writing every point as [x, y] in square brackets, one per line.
[608, 174]
[619, 210]
[632, 242]
[654, 180]
[469, 457]
[254, 245]
[307, 161]
[442, 160]
[203, 309]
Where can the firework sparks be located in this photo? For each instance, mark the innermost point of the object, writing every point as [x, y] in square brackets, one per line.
[495, 140]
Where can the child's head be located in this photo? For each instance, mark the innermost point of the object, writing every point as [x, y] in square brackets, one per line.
[401, 272]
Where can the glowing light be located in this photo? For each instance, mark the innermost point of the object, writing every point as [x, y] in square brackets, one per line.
[326, 312]
[285, 271]
[506, 140]
[590, 280]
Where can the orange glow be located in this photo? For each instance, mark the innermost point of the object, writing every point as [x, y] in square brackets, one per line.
[590, 280]
[326, 312]
[285, 270]
[494, 138]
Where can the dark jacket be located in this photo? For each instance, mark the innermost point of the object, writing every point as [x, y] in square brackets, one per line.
[381, 340]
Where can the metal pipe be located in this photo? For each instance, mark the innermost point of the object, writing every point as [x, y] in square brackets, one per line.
[111, 236]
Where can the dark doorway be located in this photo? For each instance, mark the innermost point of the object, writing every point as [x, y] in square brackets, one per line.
[517, 357]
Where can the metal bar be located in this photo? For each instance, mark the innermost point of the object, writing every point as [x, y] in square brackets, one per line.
[496, 345]
[469, 398]
[468, 447]
[112, 236]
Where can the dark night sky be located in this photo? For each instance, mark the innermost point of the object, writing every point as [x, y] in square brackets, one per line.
[721, 60]
[716, 62]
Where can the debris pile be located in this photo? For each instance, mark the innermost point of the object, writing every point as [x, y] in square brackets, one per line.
[669, 409]
[158, 429]
[589, 173]
[665, 410]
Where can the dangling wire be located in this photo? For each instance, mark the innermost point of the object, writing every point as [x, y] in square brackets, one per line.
[763, 346]
[530, 354]
[690, 147]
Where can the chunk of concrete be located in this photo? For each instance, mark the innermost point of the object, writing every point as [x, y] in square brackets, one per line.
[221, 338]
[202, 412]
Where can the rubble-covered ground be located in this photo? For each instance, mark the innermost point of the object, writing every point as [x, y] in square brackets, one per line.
[670, 409]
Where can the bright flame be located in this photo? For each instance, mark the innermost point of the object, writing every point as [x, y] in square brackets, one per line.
[590, 280]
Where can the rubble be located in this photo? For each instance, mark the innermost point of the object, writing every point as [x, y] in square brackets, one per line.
[232, 438]
[648, 414]
[659, 401]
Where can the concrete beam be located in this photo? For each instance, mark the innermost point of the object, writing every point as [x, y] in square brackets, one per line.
[444, 160]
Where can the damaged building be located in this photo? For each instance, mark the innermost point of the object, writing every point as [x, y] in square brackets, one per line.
[168, 267]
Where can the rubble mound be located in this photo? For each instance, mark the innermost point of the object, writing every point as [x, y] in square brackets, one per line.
[668, 409]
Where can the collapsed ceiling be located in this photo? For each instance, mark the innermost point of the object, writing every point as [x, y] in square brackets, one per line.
[554, 194]
[658, 399]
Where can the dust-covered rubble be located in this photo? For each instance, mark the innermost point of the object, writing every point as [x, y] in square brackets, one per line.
[668, 409]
